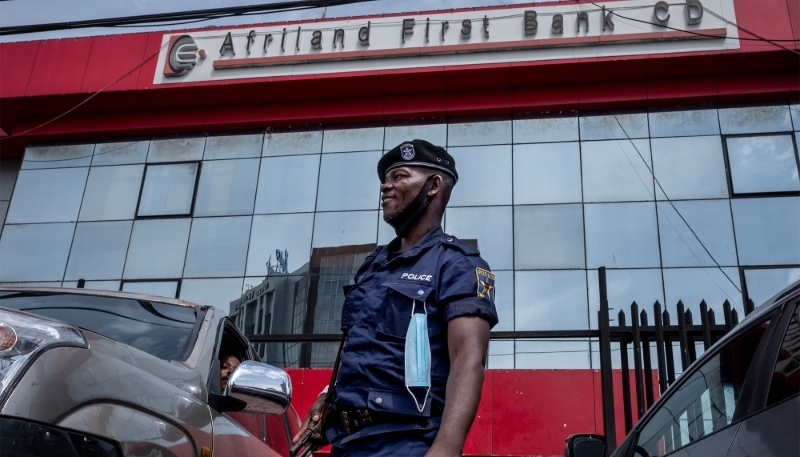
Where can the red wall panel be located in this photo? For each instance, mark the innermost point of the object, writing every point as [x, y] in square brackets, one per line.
[111, 57]
[16, 62]
[60, 66]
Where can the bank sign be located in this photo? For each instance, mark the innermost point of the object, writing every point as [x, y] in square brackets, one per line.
[462, 37]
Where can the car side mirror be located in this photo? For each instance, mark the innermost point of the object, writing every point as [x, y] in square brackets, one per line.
[262, 388]
[585, 445]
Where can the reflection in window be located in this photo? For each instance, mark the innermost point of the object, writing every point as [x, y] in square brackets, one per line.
[614, 171]
[684, 123]
[227, 187]
[57, 156]
[490, 226]
[785, 381]
[157, 249]
[120, 153]
[692, 285]
[545, 130]
[614, 127]
[763, 283]
[548, 236]
[706, 401]
[233, 146]
[287, 234]
[111, 193]
[345, 228]
[547, 173]
[158, 288]
[176, 150]
[35, 252]
[710, 220]
[689, 167]
[550, 300]
[763, 164]
[168, 189]
[292, 143]
[621, 235]
[623, 288]
[349, 140]
[98, 250]
[501, 354]
[47, 195]
[755, 119]
[484, 176]
[552, 354]
[766, 230]
[348, 181]
[217, 247]
[479, 133]
[218, 293]
[287, 184]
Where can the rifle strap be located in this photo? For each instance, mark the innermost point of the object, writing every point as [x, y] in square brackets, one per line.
[335, 372]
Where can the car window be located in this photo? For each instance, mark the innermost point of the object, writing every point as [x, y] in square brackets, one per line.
[786, 375]
[162, 330]
[705, 402]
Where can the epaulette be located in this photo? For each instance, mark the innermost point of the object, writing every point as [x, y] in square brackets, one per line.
[466, 248]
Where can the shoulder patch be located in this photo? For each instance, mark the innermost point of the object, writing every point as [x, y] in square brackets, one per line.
[485, 283]
[466, 248]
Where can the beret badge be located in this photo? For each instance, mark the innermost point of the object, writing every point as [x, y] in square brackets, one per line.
[407, 151]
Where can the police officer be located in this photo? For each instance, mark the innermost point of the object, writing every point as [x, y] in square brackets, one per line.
[417, 322]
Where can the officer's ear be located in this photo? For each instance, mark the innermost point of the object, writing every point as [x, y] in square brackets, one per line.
[437, 185]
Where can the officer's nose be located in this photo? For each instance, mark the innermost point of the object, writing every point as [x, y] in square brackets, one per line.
[385, 187]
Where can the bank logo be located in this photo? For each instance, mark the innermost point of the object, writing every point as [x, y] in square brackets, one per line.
[407, 151]
[182, 57]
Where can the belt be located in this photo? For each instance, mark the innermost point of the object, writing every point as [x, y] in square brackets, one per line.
[355, 420]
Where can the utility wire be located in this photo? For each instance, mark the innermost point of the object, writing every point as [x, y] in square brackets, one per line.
[199, 15]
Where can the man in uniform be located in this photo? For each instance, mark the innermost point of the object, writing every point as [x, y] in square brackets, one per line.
[417, 322]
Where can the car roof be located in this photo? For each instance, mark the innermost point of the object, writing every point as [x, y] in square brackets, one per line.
[103, 293]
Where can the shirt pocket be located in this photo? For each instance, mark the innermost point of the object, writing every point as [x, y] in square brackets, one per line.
[398, 305]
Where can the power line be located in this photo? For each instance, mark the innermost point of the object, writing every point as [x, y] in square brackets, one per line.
[192, 15]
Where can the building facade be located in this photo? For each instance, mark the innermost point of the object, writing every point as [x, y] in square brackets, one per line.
[237, 167]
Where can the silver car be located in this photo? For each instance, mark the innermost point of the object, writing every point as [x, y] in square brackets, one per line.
[89, 373]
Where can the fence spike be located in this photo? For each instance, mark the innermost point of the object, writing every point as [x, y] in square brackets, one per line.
[662, 367]
[734, 317]
[682, 337]
[626, 377]
[726, 310]
[705, 325]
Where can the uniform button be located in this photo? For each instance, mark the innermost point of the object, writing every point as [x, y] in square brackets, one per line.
[420, 292]
[379, 400]
[449, 240]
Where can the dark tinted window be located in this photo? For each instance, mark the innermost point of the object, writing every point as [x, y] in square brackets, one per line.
[786, 376]
[159, 329]
[706, 401]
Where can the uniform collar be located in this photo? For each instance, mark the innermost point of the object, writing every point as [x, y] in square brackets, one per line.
[428, 240]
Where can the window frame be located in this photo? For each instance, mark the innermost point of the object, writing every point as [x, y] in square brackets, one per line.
[753, 379]
[147, 166]
[729, 175]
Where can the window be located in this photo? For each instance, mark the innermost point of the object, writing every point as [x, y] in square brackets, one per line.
[763, 283]
[766, 163]
[706, 401]
[158, 288]
[614, 171]
[227, 187]
[168, 190]
[785, 381]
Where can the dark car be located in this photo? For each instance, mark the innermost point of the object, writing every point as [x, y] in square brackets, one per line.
[105, 374]
[740, 398]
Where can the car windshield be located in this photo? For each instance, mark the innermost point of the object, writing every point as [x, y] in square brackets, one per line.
[160, 329]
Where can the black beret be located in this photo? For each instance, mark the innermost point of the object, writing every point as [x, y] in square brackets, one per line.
[417, 153]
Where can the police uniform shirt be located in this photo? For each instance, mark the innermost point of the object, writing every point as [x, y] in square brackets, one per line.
[446, 276]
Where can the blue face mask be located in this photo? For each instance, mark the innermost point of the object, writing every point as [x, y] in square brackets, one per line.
[418, 355]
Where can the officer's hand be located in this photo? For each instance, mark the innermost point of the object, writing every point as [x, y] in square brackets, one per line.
[311, 417]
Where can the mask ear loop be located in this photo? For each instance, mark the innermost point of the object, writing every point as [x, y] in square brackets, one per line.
[428, 391]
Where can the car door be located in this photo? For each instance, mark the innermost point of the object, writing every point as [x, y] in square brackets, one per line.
[702, 412]
[773, 429]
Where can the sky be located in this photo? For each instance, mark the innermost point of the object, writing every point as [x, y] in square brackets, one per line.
[24, 12]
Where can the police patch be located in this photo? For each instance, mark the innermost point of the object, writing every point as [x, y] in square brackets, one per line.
[485, 283]
[407, 151]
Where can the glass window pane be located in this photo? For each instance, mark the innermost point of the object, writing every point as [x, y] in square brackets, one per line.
[345, 228]
[218, 293]
[763, 164]
[47, 195]
[552, 355]
[94, 285]
[785, 381]
[292, 143]
[287, 233]
[624, 287]
[168, 189]
[484, 176]
[489, 227]
[766, 230]
[684, 123]
[176, 150]
[755, 119]
[546, 130]
[621, 235]
[501, 354]
[158, 288]
[349, 181]
[348, 140]
[795, 110]
[57, 156]
[227, 187]
[36, 252]
[763, 284]
[9, 169]
[434, 134]
[547, 173]
[711, 222]
[614, 127]
[98, 250]
[479, 133]
[504, 301]
[233, 146]
[3, 211]
[287, 184]
[111, 193]
[692, 285]
[550, 300]
[614, 171]
[548, 236]
[157, 249]
[690, 167]
[120, 153]
[217, 247]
